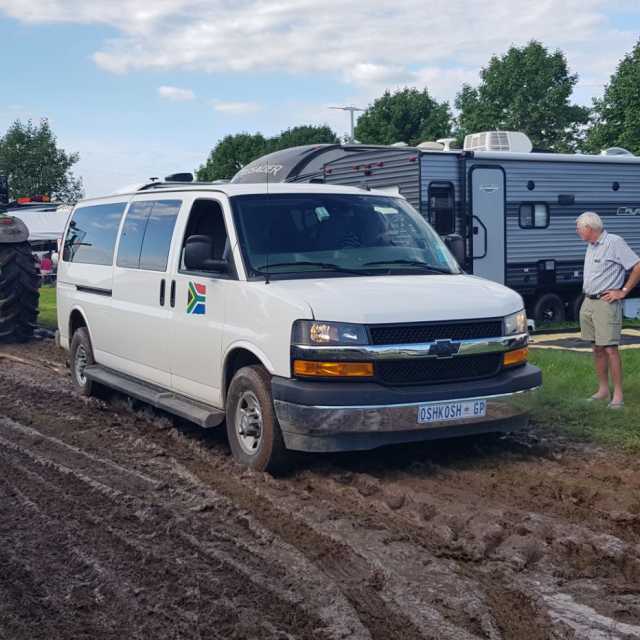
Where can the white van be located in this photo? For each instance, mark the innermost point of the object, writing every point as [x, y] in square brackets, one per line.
[307, 317]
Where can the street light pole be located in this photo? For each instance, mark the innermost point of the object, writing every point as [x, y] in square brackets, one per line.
[351, 111]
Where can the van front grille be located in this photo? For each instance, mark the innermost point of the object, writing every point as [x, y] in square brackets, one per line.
[429, 332]
[435, 370]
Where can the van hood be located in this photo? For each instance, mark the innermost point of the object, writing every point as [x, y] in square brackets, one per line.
[401, 298]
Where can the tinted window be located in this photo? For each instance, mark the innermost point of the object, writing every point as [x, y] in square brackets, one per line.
[92, 232]
[534, 215]
[157, 237]
[133, 234]
[442, 208]
[304, 233]
[146, 234]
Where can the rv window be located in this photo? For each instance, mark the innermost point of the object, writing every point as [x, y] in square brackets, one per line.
[442, 208]
[534, 215]
[92, 233]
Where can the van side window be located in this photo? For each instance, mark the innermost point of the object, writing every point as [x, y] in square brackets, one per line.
[534, 215]
[91, 236]
[206, 219]
[145, 240]
[442, 207]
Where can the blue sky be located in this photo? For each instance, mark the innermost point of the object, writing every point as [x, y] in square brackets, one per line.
[143, 89]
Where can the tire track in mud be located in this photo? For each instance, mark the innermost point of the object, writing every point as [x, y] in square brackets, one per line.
[346, 569]
[224, 552]
[411, 533]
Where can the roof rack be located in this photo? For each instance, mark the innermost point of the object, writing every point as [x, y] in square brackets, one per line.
[162, 184]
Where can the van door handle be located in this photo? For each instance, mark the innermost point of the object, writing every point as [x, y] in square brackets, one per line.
[172, 297]
[162, 289]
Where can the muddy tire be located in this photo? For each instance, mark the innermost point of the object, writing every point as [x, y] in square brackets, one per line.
[81, 356]
[252, 427]
[19, 292]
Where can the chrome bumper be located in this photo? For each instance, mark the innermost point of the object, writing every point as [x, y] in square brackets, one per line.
[339, 428]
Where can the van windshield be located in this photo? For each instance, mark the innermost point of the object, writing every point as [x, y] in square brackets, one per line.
[294, 235]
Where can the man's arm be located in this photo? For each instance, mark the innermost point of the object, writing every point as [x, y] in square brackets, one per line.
[632, 281]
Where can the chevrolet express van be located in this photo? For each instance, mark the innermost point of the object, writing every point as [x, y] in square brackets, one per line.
[306, 317]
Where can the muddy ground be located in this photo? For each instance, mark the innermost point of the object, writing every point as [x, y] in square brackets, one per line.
[116, 522]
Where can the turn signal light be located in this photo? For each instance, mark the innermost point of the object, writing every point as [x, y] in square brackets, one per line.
[518, 356]
[309, 368]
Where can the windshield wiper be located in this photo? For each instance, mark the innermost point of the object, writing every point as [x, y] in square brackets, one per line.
[425, 266]
[329, 266]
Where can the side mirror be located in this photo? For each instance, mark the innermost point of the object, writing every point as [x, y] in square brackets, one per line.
[197, 255]
[455, 244]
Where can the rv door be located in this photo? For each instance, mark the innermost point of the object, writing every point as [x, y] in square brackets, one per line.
[488, 223]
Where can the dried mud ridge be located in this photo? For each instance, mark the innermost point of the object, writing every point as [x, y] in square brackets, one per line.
[116, 522]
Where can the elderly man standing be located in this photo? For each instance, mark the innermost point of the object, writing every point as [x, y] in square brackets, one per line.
[606, 262]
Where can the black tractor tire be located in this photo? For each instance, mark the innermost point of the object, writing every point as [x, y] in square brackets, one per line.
[549, 307]
[250, 394]
[19, 292]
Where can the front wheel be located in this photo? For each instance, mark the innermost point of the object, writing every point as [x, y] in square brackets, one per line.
[81, 356]
[252, 427]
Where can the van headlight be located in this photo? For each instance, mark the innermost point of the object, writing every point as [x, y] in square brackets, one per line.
[312, 332]
[515, 323]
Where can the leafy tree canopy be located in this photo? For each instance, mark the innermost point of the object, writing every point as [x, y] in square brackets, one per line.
[616, 117]
[236, 151]
[527, 89]
[409, 115]
[35, 165]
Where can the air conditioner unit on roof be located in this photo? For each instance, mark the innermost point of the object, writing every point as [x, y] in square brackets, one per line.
[512, 141]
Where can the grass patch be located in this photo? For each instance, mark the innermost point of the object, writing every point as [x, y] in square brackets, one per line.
[570, 325]
[568, 379]
[47, 316]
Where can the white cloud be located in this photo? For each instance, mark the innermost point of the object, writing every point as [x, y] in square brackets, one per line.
[235, 108]
[370, 45]
[175, 93]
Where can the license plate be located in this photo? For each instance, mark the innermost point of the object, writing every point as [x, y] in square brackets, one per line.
[450, 411]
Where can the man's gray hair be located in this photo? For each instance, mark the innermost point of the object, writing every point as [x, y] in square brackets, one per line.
[590, 219]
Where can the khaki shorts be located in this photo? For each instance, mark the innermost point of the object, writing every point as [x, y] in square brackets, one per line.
[601, 322]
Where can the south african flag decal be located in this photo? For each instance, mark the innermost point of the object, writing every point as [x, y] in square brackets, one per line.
[197, 299]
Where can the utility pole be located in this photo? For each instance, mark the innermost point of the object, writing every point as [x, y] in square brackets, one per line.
[351, 111]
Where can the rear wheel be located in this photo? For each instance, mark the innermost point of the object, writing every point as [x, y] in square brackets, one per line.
[81, 356]
[252, 427]
[19, 292]
[549, 307]
[575, 304]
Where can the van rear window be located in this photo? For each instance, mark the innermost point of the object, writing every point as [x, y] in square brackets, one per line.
[146, 234]
[92, 232]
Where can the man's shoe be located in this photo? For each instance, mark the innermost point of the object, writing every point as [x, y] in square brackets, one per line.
[616, 405]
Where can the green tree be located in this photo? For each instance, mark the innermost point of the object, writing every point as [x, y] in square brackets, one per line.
[528, 89]
[616, 116]
[235, 151]
[35, 165]
[305, 134]
[231, 154]
[408, 115]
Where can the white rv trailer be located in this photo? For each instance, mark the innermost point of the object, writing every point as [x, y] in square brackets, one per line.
[515, 208]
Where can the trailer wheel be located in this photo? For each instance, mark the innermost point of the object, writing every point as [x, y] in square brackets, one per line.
[574, 306]
[548, 308]
[19, 292]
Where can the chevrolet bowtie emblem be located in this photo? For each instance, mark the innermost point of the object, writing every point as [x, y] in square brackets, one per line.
[444, 348]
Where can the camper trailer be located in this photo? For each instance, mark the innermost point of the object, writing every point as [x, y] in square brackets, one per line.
[514, 208]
